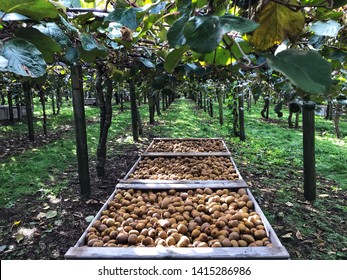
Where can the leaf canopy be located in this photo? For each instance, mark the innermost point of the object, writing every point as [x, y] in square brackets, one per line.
[306, 69]
[35, 9]
[23, 57]
[45, 44]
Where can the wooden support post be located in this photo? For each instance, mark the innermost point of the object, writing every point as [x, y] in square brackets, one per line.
[308, 133]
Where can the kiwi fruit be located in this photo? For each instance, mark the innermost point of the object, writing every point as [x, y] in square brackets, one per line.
[202, 217]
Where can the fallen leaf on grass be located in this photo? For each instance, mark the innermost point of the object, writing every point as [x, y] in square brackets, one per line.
[40, 215]
[51, 214]
[89, 219]
[287, 235]
[289, 204]
[323, 195]
[2, 248]
[19, 237]
[16, 223]
[298, 235]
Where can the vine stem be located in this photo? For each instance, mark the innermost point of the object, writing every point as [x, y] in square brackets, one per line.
[77, 10]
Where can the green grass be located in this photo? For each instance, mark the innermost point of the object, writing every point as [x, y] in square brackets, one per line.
[35, 169]
[53, 121]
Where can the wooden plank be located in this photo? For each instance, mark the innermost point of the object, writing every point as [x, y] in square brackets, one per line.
[277, 251]
[188, 139]
[183, 184]
[173, 154]
[236, 253]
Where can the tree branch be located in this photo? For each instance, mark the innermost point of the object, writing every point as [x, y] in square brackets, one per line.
[85, 10]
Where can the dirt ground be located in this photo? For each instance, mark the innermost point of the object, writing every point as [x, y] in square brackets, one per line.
[26, 234]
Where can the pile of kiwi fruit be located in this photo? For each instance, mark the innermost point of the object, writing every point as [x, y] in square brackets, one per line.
[187, 146]
[185, 168]
[179, 218]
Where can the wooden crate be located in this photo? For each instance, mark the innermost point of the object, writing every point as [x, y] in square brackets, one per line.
[276, 251]
[178, 183]
[149, 152]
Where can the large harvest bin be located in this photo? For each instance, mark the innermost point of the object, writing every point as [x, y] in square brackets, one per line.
[228, 175]
[187, 146]
[275, 250]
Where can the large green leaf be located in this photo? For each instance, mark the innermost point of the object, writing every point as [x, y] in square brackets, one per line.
[175, 35]
[184, 6]
[174, 57]
[3, 62]
[203, 33]
[71, 55]
[219, 56]
[52, 30]
[329, 28]
[244, 45]
[127, 17]
[45, 44]
[277, 23]
[12, 17]
[90, 44]
[35, 9]
[91, 49]
[339, 3]
[336, 3]
[304, 68]
[72, 3]
[23, 58]
[239, 24]
[146, 62]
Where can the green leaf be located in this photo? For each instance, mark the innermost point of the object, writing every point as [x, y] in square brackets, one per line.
[174, 57]
[72, 3]
[148, 23]
[245, 46]
[51, 214]
[52, 30]
[203, 33]
[3, 62]
[127, 17]
[329, 28]
[91, 49]
[339, 3]
[239, 24]
[68, 26]
[46, 45]
[23, 58]
[88, 219]
[35, 9]
[219, 56]
[146, 62]
[2, 248]
[175, 35]
[13, 17]
[19, 237]
[277, 23]
[304, 68]
[184, 6]
[71, 55]
[90, 44]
